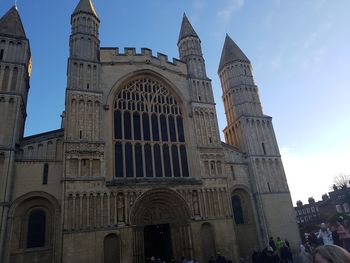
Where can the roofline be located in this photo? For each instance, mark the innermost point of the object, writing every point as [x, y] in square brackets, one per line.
[42, 134]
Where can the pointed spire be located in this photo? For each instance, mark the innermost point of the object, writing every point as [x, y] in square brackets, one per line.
[85, 6]
[11, 24]
[230, 53]
[186, 29]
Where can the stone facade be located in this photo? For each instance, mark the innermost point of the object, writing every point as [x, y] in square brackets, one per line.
[138, 158]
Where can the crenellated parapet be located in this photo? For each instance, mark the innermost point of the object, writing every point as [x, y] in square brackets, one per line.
[111, 55]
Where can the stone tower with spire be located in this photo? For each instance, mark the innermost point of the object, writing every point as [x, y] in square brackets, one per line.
[251, 131]
[202, 99]
[83, 146]
[83, 96]
[15, 67]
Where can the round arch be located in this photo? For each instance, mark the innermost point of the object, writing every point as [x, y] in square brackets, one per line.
[159, 206]
[166, 209]
[245, 220]
[19, 220]
[246, 203]
[36, 195]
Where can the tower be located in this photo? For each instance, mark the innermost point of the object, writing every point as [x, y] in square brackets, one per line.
[15, 67]
[202, 99]
[83, 96]
[83, 149]
[252, 132]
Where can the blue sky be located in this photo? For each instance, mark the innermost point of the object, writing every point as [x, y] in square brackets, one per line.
[299, 50]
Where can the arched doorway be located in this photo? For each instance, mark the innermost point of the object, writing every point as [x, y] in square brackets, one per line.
[161, 226]
[207, 241]
[111, 249]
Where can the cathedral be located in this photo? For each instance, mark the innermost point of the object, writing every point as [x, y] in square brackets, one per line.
[137, 168]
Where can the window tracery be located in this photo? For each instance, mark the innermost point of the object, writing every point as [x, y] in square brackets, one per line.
[149, 137]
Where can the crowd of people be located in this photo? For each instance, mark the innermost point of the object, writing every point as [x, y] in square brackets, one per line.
[331, 244]
[329, 237]
[213, 259]
[276, 251]
[336, 234]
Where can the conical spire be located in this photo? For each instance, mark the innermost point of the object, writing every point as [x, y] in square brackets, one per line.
[186, 29]
[230, 53]
[11, 24]
[85, 6]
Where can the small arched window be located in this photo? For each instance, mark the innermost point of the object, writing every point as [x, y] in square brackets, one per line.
[237, 210]
[36, 229]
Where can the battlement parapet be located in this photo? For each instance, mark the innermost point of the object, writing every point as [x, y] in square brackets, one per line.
[112, 55]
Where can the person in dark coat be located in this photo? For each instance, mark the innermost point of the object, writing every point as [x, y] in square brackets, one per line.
[268, 255]
[255, 255]
[285, 254]
[272, 244]
[212, 260]
[220, 258]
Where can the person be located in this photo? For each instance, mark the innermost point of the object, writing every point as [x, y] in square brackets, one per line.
[272, 243]
[268, 255]
[335, 236]
[279, 244]
[287, 243]
[325, 235]
[343, 233]
[212, 260]
[255, 255]
[285, 254]
[305, 257]
[331, 254]
[220, 258]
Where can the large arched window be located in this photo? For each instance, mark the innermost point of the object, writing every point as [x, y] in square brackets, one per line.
[36, 229]
[149, 137]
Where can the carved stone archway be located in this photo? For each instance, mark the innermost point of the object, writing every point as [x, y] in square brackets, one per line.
[162, 206]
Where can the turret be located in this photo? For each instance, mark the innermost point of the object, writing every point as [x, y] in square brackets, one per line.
[202, 99]
[190, 50]
[84, 39]
[82, 117]
[239, 90]
[240, 94]
[15, 68]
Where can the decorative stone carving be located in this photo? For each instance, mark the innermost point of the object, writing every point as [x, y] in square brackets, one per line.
[195, 203]
[120, 208]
